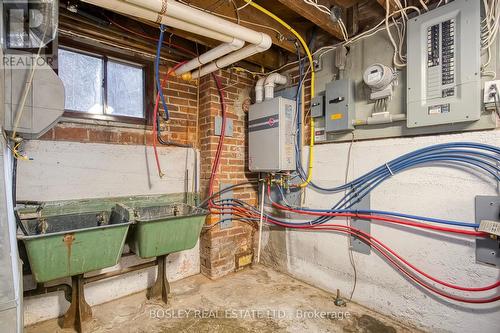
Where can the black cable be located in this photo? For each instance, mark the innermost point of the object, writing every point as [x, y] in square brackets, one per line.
[14, 197]
[204, 203]
[168, 142]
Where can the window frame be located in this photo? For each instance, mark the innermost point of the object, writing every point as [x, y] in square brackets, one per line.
[109, 55]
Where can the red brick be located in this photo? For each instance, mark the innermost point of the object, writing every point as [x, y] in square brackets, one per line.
[71, 133]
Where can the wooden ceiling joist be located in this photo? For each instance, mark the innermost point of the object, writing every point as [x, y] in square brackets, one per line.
[262, 23]
[315, 16]
[392, 5]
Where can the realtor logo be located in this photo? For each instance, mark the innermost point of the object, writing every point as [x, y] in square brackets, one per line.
[28, 29]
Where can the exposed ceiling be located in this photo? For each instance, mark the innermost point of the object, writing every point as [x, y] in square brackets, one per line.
[312, 24]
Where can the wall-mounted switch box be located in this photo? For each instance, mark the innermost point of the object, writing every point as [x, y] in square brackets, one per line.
[339, 106]
[488, 249]
[228, 129]
[490, 92]
[318, 106]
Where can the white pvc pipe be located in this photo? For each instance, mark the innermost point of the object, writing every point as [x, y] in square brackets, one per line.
[129, 9]
[234, 57]
[190, 19]
[259, 90]
[211, 55]
[192, 15]
[271, 81]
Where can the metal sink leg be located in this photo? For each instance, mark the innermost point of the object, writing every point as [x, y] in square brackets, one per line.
[161, 288]
[79, 311]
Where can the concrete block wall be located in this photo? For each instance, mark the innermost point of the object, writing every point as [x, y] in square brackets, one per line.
[63, 170]
[322, 258]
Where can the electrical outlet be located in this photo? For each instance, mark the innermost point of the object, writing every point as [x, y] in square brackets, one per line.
[490, 92]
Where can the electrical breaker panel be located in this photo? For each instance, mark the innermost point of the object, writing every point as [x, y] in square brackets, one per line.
[443, 65]
[271, 135]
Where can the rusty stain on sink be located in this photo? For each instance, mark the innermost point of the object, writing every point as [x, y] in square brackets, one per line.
[68, 239]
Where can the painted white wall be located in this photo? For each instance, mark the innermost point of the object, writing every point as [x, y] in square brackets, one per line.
[71, 170]
[321, 259]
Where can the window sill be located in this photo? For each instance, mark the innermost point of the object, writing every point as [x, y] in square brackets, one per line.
[105, 123]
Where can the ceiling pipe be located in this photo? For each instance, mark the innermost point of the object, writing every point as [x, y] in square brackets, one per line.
[211, 55]
[129, 9]
[192, 15]
[259, 90]
[271, 81]
[194, 19]
[234, 57]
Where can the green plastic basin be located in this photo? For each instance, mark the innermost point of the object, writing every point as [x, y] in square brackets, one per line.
[161, 230]
[66, 245]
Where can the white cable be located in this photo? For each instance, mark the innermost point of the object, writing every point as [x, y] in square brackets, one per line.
[326, 49]
[246, 4]
[395, 60]
[328, 12]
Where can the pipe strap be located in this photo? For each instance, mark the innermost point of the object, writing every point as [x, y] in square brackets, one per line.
[163, 11]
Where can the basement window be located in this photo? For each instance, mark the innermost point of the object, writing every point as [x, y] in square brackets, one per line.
[100, 87]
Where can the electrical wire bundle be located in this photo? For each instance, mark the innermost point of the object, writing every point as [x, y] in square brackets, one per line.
[466, 154]
[489, 31]
[246, 213]
[328, 11]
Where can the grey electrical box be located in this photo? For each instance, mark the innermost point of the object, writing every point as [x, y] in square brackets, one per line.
[318, 106]
[271, 135]
[443, 65]
[339, 106]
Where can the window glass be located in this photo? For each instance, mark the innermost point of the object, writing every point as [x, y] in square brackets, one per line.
[85, 91]
[125, 95]
[82, 76]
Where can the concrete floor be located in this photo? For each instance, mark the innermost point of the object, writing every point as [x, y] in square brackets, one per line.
[257, 299]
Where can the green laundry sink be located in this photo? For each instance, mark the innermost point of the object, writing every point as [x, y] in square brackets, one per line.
[71, 244]
[161, 230]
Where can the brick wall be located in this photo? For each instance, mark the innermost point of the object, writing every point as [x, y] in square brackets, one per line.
[182, 101]
[220, 246]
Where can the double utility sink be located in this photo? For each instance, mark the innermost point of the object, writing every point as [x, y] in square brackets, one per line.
[64, 245]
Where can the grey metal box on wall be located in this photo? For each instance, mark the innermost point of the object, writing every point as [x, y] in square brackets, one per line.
[271, 135]
[44, 104]
[318, 106]
[339, 106]
[443, 65]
